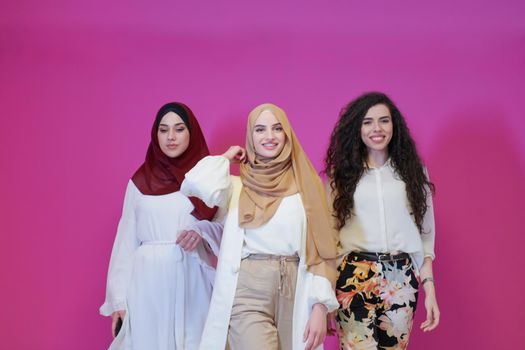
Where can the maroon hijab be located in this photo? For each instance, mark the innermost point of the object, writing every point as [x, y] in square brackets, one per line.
[161, 174]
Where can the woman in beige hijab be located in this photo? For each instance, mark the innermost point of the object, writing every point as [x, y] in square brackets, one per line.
[276, 270]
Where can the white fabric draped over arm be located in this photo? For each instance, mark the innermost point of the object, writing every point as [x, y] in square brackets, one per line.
[120, 265]
[211, 232]
[209, 180]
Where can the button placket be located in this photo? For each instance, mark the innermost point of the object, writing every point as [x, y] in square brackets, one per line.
[381, 204]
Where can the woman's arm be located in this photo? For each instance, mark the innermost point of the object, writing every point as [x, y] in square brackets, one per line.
[209, 180]
[119, 272]
[425, 271]
[427, 280]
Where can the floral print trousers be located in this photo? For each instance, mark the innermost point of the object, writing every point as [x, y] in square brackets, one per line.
[377, 302]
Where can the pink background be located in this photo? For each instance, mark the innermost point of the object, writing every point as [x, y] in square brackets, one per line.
[82, 80]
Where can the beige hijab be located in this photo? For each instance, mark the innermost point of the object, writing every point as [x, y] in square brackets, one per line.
[267, 181]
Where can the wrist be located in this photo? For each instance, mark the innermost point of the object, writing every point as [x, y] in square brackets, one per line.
[320, 307]
[195, 230]
[428, 285]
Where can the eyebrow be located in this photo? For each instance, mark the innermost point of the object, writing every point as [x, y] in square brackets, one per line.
[169, 126]
[385, 116]
[263, 126]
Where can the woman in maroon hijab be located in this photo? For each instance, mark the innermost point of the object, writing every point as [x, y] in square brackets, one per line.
[160, 277]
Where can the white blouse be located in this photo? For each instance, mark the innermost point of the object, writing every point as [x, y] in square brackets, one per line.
[281, 235]
[382, 220]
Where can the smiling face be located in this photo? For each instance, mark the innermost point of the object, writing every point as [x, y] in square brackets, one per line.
[268, 135]
[173, 135]
[377, 129]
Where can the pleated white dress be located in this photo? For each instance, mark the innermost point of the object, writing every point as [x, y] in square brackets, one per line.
[165, 290]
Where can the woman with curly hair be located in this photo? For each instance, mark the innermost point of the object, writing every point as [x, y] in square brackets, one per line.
[382, 205]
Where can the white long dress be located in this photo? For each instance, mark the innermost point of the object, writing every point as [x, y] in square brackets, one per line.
[165, 290]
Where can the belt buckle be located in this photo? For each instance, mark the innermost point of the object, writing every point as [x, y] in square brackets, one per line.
[384, 257]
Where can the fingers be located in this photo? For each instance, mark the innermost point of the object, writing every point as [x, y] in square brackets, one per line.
[113, 326]
[427, 322]
[184, 239]
[241, 155]
[231, 153]
[188, 240]
[194, 243]
[309, 344]
[306, 331]
[314, 339]
[114, 318]
[235, 154]
[427, 325]
[318, 340]
[431, 327]
[181, 236]
[435, 320]
[432, 320]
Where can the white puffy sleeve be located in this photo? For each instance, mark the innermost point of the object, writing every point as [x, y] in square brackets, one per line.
[321, 292]
[120, 265]
[209, 180]
[429, 228]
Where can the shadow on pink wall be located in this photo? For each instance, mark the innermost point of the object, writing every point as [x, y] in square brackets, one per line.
[228, 131]
[480, 189]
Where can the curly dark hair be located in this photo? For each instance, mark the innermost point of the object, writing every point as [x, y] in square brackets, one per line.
[346, 157]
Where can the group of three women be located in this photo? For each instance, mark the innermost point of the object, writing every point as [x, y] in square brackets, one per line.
[288, 254]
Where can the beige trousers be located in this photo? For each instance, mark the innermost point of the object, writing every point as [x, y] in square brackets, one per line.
[262, 312]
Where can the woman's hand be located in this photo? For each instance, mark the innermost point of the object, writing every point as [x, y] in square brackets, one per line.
[315, 331]
[235, 154]
[188, 240]
[114, 318]
[432, 308]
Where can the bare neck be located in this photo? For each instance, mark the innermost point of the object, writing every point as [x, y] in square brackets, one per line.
[377, 159]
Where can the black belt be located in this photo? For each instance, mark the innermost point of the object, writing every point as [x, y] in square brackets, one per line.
[380, 256]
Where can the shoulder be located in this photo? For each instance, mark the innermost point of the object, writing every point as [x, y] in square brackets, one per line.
[131, 187]
[132, 192]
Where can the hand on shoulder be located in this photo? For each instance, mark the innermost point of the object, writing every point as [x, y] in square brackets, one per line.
[235, 154]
